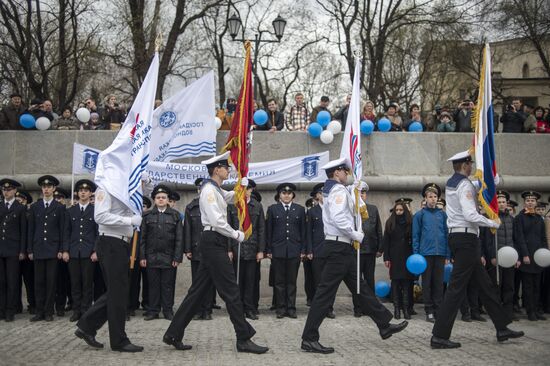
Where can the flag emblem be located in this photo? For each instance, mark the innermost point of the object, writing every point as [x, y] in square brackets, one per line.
[167, 119]
[89, 160]
[310, 167]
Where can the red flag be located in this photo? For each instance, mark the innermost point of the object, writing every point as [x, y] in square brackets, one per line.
[237, 142]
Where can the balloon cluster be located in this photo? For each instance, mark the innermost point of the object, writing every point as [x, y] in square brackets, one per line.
[367, 126]
[324, 129]
[28, 121]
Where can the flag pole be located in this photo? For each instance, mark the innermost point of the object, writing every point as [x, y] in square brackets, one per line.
[496, 257]
[357, 244]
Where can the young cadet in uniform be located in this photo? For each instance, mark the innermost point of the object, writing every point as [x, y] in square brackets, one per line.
[192, 230]
[45, 235]
[286, 246]
[530, 235]
[215, 266]
[26, 266]
[463, 222]
[161, 251]
[340, 236]
[80, 235]
[315, 235]
[252, 250]
[63, 298]
[116, 224]
[13, 242]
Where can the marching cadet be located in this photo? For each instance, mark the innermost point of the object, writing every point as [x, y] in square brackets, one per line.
[13, 242]
[161, 251]
[530, 235]
[251, 251]
[540, 209]
[463, 222]
[286, 246]
[215, 266]
[340, 236]
[63, 298]
[80, 235]
[192, 230]
[45, 236]
[26, 266]
[316, 238]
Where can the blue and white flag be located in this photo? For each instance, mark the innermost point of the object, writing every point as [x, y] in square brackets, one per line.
[119, 167]
[84, 159]
[184, 125]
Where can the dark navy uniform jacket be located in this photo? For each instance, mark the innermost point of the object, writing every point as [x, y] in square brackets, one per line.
[45, 229]
[80, 232]
[13, 235]
[286, 232]
[315, 231]
[192, 229]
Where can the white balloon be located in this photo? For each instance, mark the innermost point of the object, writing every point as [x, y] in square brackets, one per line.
[218, 123]
[83, 115]
[507, 257]
[335, 127]
[542, 257]
[43, 123]
[326, 137]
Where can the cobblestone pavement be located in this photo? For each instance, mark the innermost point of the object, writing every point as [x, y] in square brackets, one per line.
[356, 341]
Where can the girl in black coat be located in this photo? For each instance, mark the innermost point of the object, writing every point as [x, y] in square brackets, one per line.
[397, 248]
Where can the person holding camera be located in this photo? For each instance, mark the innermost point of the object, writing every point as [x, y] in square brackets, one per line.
[114, 115]
[513, 119]
[463, 116]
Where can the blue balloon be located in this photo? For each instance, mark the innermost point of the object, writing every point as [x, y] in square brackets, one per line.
[366, 127]
[27, 121]
[260, 117]
[323, 118]
[315, 130]
[384, 125]
[382, 288]
[416, 264]
[447, 273]
[416, 127]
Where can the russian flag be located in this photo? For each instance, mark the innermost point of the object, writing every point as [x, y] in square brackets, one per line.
[484, 144]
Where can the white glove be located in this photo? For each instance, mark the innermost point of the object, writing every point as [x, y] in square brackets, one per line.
[244, 182]
[358, 236]
[240, 236]
[136, 220]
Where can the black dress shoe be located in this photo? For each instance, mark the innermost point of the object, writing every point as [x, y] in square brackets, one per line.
[69, 307]
[169, 316]
[357, 313]
[316, 347]
[532, 317]
[440, 343]
[505, 334]
[75, 317]
[177, 344]
[151, 317]
[37, 318]
[412, 312]
[517, 309]
[132, 313]
[280, 315]
[197, 317]
[9, 318]
[88, 338]
[331, 315]
[430, 318]
[292, 314]
[250, 347]
[308, 303]
[392, 329]
[129, 348]
[406, 314]
[540, 316]
[478, 318]
[250, 315]
[466, 318]
[48, 318]
[272, 307]
[60, 313]
[216, 306]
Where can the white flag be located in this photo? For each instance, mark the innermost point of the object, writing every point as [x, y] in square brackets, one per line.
[120, 166]
[351, 146]
[84, 159]
[184, 126]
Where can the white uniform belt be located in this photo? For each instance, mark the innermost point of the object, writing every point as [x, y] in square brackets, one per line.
[208, 228]
[121, 237]
[340, 238]
[468, 230]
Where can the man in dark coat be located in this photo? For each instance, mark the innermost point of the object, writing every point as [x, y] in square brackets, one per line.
[13, 238]
[286, 245]
[251, 250]
[63, 298]
[9, 115]
[45, 236]
[161, 251]
[26, 266]
[80, 234]
[530, 235]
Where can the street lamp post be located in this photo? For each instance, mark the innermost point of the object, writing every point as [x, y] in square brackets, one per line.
[234, 24]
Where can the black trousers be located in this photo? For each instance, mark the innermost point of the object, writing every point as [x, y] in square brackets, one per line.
[470, 304]
[318, 264]
[99, 282]
[309, 286]
[286, 275]
[208, 300]
[63, 286]
[215, 268]
[341, 266]
[81, 271]
[432, 283]
[257, 285]
[367, 263]
[247, 282]
[545, 290]
[9, 281]
[114, 259]
[138, 284]
[400, 293]
[465, 248]
[506, 286]
[517, 286]
[45, 280]
[26, 277]
[531, 291]
[161, 290]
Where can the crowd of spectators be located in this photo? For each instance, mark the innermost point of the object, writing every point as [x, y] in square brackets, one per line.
[517, 117]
